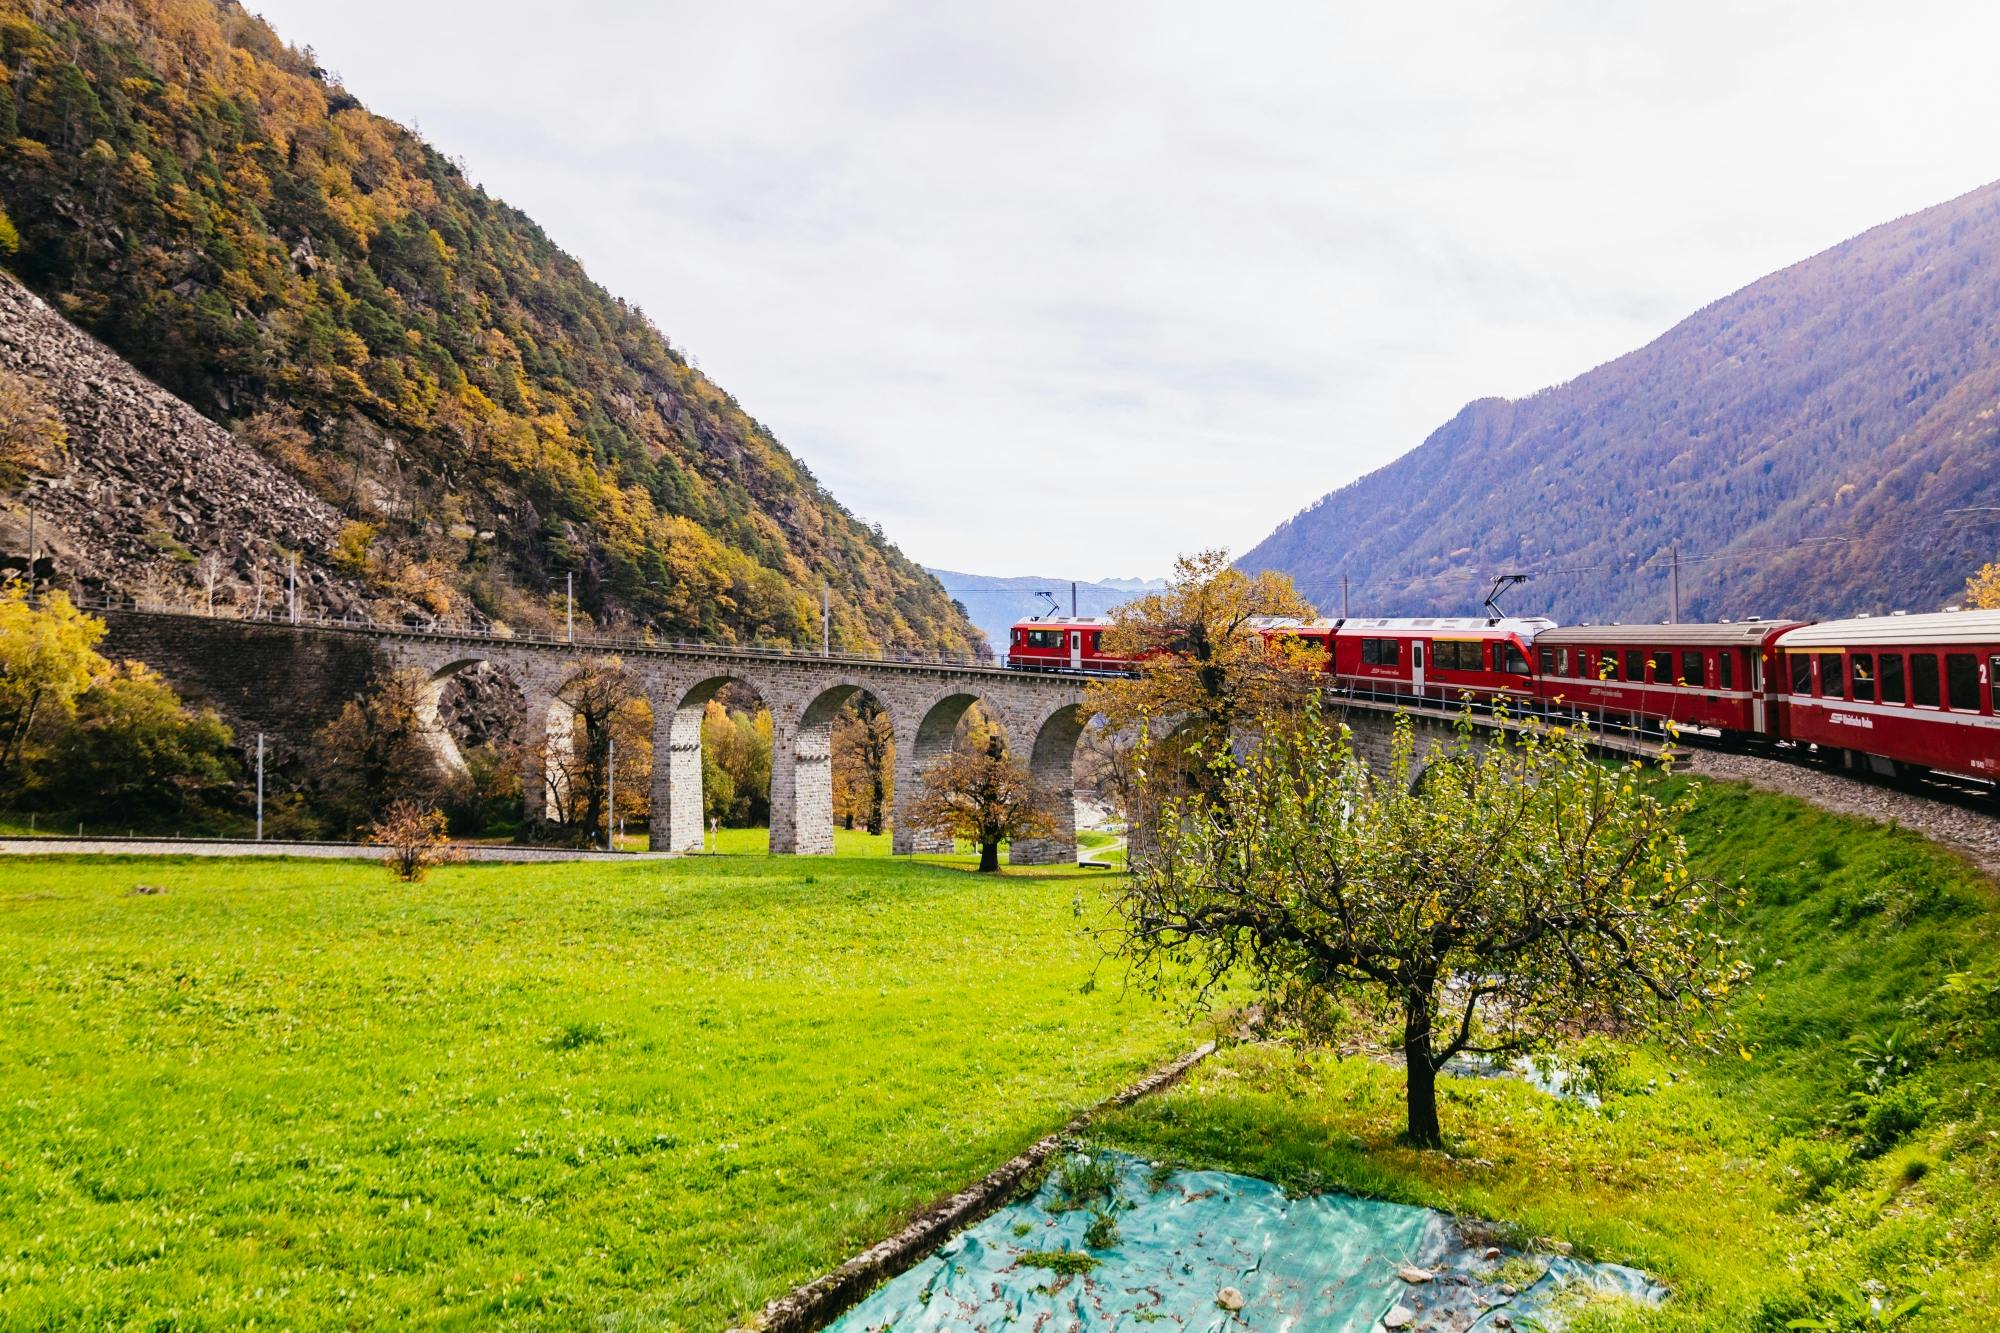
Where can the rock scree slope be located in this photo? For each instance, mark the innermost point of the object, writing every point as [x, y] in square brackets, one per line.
[217, 209]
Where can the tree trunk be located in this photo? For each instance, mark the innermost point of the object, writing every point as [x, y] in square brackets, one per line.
[1420, 1082]
[989, 857]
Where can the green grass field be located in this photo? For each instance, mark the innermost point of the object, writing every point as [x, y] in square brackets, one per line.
[650, 1096]
[1767, 1184]
[655, 1095]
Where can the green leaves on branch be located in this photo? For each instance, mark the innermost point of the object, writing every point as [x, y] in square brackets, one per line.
[1493, 892]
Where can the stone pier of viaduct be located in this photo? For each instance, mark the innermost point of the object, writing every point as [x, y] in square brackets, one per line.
[288, 681]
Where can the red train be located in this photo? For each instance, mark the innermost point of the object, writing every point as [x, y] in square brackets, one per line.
[1882, 693]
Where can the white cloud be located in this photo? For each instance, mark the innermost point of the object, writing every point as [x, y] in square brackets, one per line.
[1068, 289]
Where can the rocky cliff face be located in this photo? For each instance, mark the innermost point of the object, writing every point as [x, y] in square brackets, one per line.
[151, 497]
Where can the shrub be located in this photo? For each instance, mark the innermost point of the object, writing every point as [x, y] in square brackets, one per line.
[1889, 1117]
[415, 838]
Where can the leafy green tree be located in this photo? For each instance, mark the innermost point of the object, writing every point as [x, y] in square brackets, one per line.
[1498, 897]
[134, 750]
[48, 656]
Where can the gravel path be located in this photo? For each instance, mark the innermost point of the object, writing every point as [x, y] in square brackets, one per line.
[325, 850]
[1972, 833]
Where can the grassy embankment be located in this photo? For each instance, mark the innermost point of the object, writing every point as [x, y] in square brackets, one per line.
[655, 1095]
[1845, 1149]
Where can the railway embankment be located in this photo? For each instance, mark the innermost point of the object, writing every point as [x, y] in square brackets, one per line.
[1973, 833]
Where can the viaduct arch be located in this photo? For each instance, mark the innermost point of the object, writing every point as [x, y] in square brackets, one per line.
[288, 680]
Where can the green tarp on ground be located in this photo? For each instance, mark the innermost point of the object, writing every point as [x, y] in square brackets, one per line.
[1327, 1263]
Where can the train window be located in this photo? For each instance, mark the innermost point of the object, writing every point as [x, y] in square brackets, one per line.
[1607, 666]
[1381, 652]
[1993, 674]
[1725, 669]
[1694, 669]
[1924, 680]
[1864, 675]
[1961, 682]
[1892, 678]
[1635, 665]
[1831, 686]
[1516, 661]
[1548, 660]
[1801, 665]
[1562, 662]
[1045, 638]
[1662, 665]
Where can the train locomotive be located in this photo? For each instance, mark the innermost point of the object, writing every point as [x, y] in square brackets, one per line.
[1887, 694]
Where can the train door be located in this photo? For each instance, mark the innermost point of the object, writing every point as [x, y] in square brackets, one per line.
[1417, 666]
[1757, 722]
[1076, 650]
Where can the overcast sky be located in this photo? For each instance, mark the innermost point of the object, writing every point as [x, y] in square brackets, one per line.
[1065, 289]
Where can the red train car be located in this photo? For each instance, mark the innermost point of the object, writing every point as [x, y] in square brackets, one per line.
[1897, 690]
[1438, 657]
[1315, 636]
[1062, 643]
[1717, 676]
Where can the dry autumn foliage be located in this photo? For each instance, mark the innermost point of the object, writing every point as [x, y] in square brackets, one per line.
[415, 838]
[983, 796]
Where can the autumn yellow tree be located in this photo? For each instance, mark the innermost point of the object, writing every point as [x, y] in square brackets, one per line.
[864, 749]
[1204, 671]
[48, 657]
[31, 434]
[1982, 590]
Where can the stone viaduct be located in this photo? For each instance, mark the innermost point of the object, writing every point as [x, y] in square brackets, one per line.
[287, 680]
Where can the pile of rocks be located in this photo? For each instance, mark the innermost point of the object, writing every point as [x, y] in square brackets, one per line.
[152, 497]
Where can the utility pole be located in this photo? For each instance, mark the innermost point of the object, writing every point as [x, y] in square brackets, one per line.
[260, 786]
[1072, 599]
[31, 548]
[292, 592]
[569, 607]
[1674, 576]
[610, 794]
[1343, 596]
[825, 620]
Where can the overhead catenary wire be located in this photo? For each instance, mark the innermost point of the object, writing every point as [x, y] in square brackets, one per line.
[1665, 561]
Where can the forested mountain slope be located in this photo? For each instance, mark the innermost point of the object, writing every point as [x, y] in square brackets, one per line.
[196, 194]
[1852, 395]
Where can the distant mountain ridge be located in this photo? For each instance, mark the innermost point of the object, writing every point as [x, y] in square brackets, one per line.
[486, 421]
[995, 603]
[1853, 395]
